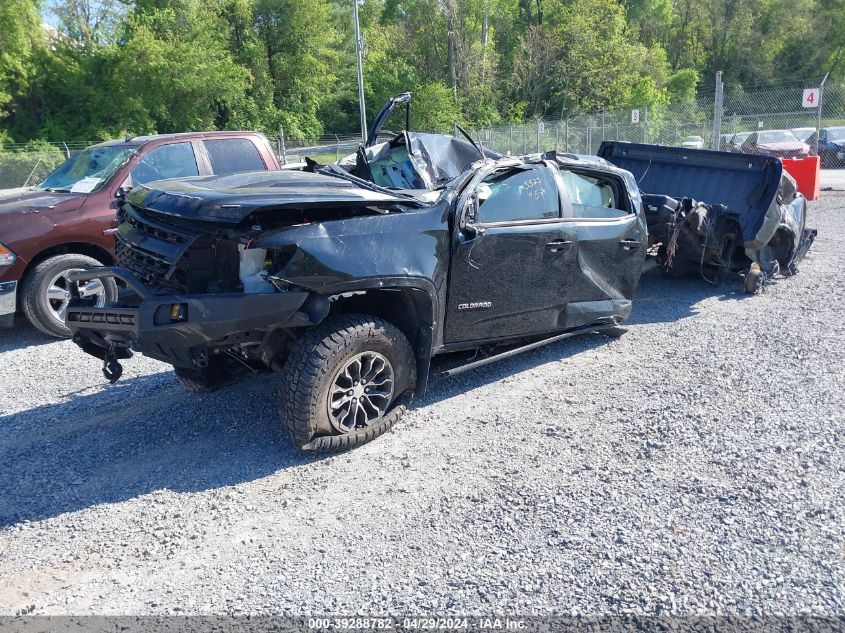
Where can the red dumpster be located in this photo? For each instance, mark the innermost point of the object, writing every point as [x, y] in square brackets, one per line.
[806, 174]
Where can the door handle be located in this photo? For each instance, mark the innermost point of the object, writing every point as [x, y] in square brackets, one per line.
[559, 245]
[630, 244]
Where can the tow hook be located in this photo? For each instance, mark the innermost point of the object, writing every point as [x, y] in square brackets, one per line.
[112, 369]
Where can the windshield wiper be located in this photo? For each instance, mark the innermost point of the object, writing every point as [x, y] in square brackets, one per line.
[52, 190]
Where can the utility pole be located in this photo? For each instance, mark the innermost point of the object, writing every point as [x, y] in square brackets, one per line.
[819, 113]
[359, 52]
[715, 142]
[281, 147]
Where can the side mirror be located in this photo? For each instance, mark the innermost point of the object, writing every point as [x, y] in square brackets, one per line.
[469, 215]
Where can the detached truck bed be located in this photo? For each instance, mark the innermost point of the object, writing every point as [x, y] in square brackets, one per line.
[711, 213]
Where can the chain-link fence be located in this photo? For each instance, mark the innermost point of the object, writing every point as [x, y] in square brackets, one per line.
[689, 123]
[325, 149]
[27, 164]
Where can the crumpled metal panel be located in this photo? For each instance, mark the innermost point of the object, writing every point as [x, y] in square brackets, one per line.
[328, 256]
[436, 158]
[442, 157]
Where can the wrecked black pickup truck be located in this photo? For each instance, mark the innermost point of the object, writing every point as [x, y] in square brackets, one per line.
[713, 213]
[347, 279]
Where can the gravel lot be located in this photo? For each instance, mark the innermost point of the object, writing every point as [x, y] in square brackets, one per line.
[694, 466]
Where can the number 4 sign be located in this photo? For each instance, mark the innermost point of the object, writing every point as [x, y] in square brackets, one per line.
[811, 98]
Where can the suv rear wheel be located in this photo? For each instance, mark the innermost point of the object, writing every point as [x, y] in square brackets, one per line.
[47, 292]
[347, 381]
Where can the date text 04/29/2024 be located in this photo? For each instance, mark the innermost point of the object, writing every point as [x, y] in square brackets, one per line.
[417, 624]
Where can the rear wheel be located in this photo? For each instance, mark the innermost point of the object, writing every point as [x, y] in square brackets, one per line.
[47, 292]
[347, 381]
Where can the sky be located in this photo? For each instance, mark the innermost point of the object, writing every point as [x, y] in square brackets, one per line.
[47, 14]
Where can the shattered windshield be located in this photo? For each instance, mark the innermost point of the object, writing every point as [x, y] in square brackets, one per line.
[836, 134]
[88, 170]
[777, 136]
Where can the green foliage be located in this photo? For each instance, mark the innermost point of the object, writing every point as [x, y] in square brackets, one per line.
[156, 94]
[19, 35]
[118, 66]
[91, 23]
[434, 108]
[682, 85]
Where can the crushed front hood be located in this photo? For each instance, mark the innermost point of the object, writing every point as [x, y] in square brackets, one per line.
[233, 198]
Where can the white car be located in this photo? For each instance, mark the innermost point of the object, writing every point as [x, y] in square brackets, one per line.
[693, 142]
[803, 133]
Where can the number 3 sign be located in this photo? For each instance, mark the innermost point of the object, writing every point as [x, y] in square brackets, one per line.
[811, 98]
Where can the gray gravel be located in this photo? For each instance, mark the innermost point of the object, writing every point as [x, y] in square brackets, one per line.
[694, 466]
[832, 179]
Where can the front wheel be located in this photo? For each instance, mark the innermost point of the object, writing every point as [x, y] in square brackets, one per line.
[47, 292]
[348, 381]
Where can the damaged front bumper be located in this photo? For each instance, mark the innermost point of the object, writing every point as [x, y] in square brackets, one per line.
[179, 329]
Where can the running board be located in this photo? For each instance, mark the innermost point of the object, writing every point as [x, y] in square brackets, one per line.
[618, 330]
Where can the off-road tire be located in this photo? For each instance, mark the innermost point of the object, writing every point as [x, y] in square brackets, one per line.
[207, 379]
[34, 299]
[307, 375]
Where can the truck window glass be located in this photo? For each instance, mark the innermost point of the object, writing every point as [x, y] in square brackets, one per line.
[233, 155]
[591, 197]
[86, 171]
[175, 160]
[518, 194]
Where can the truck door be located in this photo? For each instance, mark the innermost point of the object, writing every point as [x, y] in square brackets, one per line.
[172, 160]
[512, 263]
[612, 240]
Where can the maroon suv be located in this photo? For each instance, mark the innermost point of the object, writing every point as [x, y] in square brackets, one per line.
[66, 223]
[780, 143]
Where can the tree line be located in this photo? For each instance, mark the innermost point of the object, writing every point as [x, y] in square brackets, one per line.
[115, 67]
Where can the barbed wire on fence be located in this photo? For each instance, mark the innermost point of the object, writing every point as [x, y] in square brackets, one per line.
[26, 164]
